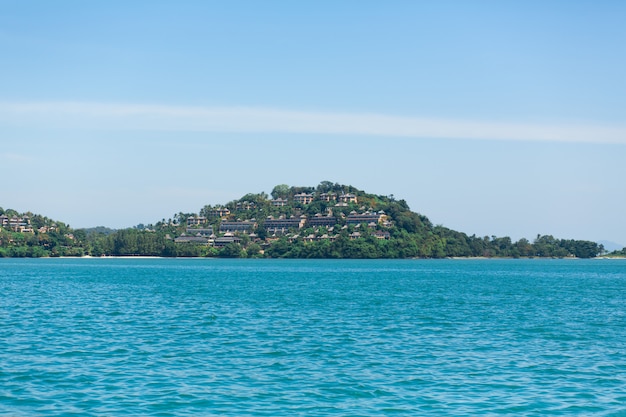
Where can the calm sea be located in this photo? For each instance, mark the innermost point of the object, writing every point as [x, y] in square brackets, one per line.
[165, 337]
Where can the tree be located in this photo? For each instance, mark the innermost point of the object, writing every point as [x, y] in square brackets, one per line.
[232, 250]
[523, 248]
[254, 250]
[280, 191]
[279, 248]
[325, 187]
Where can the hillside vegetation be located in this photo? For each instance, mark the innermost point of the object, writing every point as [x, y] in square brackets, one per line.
[327, 221]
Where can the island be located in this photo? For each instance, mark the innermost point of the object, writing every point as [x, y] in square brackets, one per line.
[330, 220]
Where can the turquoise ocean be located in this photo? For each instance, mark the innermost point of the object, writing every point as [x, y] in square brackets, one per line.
[169, 337]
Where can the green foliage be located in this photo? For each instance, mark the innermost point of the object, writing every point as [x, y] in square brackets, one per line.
[410, 234]
[253, 250]
[619, 253]
[280, 191]
[232, 250]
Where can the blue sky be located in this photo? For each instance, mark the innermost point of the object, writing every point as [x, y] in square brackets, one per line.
[489, 117]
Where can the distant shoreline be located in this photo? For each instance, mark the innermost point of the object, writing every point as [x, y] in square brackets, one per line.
[456, 258]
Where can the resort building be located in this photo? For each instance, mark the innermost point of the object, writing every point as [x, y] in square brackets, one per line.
[347, 198]
[228, 238]
[191, 239]
[379, 234]
[245, 205]
[279, 202]
[366, 218]
[219, 212]
[17, 224]
[200, 231]
[319, 220]
[328, 197]
[282, 225]
[331, 238]
[303, 198]
[196, 221]
[234, 227]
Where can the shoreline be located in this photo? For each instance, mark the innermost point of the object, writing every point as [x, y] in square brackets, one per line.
[456, 258]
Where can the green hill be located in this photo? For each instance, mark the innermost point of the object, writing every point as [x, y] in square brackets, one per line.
[328, 221]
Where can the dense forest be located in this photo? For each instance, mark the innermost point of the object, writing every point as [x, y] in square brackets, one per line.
[324, 224]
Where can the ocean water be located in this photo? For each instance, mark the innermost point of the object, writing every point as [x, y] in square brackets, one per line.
[169, 337]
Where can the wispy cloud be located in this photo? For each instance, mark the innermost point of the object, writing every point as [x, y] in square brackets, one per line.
[255, 119]
[15, 157]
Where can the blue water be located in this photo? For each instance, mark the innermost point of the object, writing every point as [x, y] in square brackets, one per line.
[161, 337]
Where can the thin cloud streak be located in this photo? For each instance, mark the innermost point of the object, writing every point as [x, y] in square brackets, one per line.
[266, 120]
[15, 157]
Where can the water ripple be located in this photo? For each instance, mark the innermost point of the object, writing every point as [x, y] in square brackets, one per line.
[267, 338]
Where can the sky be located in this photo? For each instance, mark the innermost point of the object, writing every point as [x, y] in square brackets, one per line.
[491, 118]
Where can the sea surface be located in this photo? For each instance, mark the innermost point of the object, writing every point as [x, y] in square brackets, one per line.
[170, 337]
